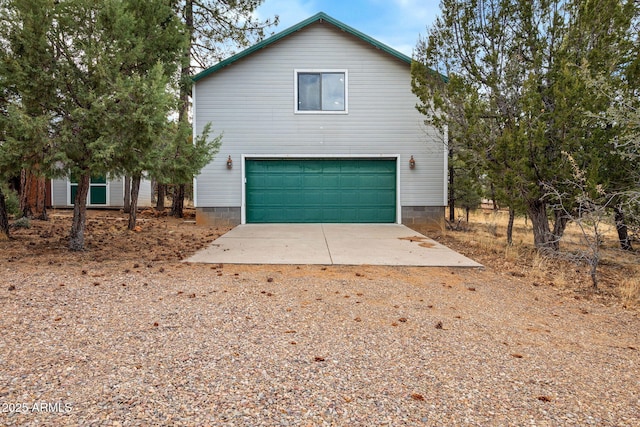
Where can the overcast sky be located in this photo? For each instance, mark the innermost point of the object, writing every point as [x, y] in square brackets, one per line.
[396, 23]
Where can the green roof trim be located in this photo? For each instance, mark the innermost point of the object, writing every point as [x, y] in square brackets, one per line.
[319, 17]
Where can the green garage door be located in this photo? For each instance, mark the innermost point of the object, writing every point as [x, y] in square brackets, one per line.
[321, 190]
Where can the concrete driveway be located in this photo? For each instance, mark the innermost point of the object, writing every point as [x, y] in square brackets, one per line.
[340, 244]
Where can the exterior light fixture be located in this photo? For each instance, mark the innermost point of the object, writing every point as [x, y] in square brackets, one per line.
[412, 163]
[229, 163]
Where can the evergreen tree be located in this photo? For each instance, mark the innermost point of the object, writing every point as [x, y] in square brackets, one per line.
[522, 58]
[4, 217]
[111, 95]
[28, 65]
[112, 84]
[146, 104]
[452, 105]
[150, 52]
[613, 157]
[215, 30]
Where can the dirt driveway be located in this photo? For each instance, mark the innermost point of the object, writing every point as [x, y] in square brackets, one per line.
[126, 334]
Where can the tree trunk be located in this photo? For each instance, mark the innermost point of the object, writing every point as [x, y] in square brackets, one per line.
[559, 225]
[178, 201]
[593, 271]
[493, 197]
[154, 186]
[542, 237]
[33, 194]
[127, 194]
[79, 222]
[512, 216]
[135, 190]
[621, 227]
[4, 218]
[185, 93]
[452, 193]
[162, 189]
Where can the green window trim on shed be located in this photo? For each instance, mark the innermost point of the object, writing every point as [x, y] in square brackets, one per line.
[321, 190]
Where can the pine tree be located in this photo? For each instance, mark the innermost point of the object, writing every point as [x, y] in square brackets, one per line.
[215, 29]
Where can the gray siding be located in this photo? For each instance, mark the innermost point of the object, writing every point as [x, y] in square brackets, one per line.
[144, 196]
[116, 192]
[59, 196]
[252, 103]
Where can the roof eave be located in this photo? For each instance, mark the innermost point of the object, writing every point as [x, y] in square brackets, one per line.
[319, 17]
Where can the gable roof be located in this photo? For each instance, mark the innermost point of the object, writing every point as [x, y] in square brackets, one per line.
[319, 17]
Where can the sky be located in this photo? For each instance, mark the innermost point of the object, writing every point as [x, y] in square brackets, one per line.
[396, 23]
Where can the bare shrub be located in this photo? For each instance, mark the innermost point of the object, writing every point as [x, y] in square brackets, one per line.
[585, 204]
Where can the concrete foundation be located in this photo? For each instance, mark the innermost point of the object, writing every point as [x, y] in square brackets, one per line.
[428, 217]
[220, 217]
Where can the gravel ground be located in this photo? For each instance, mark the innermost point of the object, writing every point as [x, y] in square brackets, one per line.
[169, 343]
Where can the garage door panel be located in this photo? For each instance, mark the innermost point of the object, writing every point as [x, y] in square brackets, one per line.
[364, 215]
[349, 196]
[308, 166]
[320, 190]
[332, 214]
[370, 215]
[332, 198]
[315, 180]
[255, 199]
[331, 180]
[369, 198]
[289, 198]
[292, 181]
[308, 198]
[382, 183]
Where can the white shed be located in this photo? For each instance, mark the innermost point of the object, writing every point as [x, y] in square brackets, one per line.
[103, 193]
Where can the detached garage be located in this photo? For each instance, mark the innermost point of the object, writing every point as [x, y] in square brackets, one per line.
[319, 125]
[320, 190]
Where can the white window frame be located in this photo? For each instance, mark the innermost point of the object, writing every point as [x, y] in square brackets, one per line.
[320, 71]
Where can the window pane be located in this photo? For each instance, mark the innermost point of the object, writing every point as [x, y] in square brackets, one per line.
[98, 195]
[333, 92]
[74, 191]
[308, 92]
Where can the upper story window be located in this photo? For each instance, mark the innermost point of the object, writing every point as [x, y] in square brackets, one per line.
[321, 91]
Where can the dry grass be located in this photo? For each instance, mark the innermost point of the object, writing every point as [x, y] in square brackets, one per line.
[630, 292]
[485, 240]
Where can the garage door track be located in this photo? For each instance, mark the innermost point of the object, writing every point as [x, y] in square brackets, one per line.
[340, 244]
